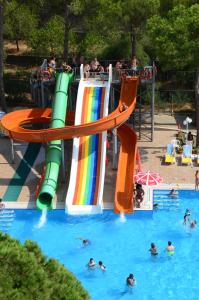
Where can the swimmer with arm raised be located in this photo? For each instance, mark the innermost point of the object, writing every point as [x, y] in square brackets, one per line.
[85, 242]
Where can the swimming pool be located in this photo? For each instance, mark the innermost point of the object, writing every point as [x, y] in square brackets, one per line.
[123, 248]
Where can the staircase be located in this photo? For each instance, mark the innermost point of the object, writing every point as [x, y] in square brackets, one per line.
[6, 219]
[162, 199]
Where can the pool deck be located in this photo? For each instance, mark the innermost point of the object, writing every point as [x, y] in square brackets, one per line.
[152, 158]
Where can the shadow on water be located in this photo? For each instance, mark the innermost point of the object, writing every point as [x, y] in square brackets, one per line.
[122, 293]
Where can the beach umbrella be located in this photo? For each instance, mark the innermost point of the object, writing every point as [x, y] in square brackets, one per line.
[148, 178]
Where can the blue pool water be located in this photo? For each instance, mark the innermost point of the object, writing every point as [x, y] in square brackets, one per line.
[123, 247]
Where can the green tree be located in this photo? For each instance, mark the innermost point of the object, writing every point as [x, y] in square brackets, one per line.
[49, 39]
[123, 20]
[132, 16]
[25, 274]
[176, 42]
[19, 22]
[72, 13]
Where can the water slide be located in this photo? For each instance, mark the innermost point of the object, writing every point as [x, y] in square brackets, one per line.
[89, 152]
[13, 123]
[126, 163]
[53, 155]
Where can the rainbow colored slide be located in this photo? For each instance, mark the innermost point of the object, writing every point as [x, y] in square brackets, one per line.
[88, 161]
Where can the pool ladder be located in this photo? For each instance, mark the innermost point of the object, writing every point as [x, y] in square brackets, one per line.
[6, 219]
[164, 201]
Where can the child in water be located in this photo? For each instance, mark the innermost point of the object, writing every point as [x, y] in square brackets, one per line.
[101, 266]
[187, 216]
[170, 249]
[153, 249]
[91, 264]
[130, 281]
[193, 224]
[173, 193]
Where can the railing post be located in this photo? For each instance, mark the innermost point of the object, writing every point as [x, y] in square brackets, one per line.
[63, 161]
[153, 103]
[114, 163]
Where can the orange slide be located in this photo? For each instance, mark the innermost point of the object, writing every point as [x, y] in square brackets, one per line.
[126, 167]
[14, 122]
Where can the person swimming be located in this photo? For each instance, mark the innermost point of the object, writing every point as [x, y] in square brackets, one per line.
[173, 193]
[155, 206]
[130, 281]
[85, 242]
[91, 264]
[193, 224]
[170, 249]
[101, 266]
[153, 249]
[187, 216]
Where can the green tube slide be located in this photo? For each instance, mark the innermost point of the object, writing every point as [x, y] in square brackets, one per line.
[53, 156]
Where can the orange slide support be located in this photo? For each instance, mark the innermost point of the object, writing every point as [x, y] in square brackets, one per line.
[13, 123]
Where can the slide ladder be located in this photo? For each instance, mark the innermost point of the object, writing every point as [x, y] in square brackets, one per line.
[165, 201]
[6, 219]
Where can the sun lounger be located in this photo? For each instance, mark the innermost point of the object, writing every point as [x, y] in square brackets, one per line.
[187, 155]
[170, 155]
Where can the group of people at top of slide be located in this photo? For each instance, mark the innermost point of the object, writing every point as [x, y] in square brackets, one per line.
[122, 65]
[95, 65]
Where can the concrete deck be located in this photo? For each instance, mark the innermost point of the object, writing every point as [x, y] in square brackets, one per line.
[152, 158]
